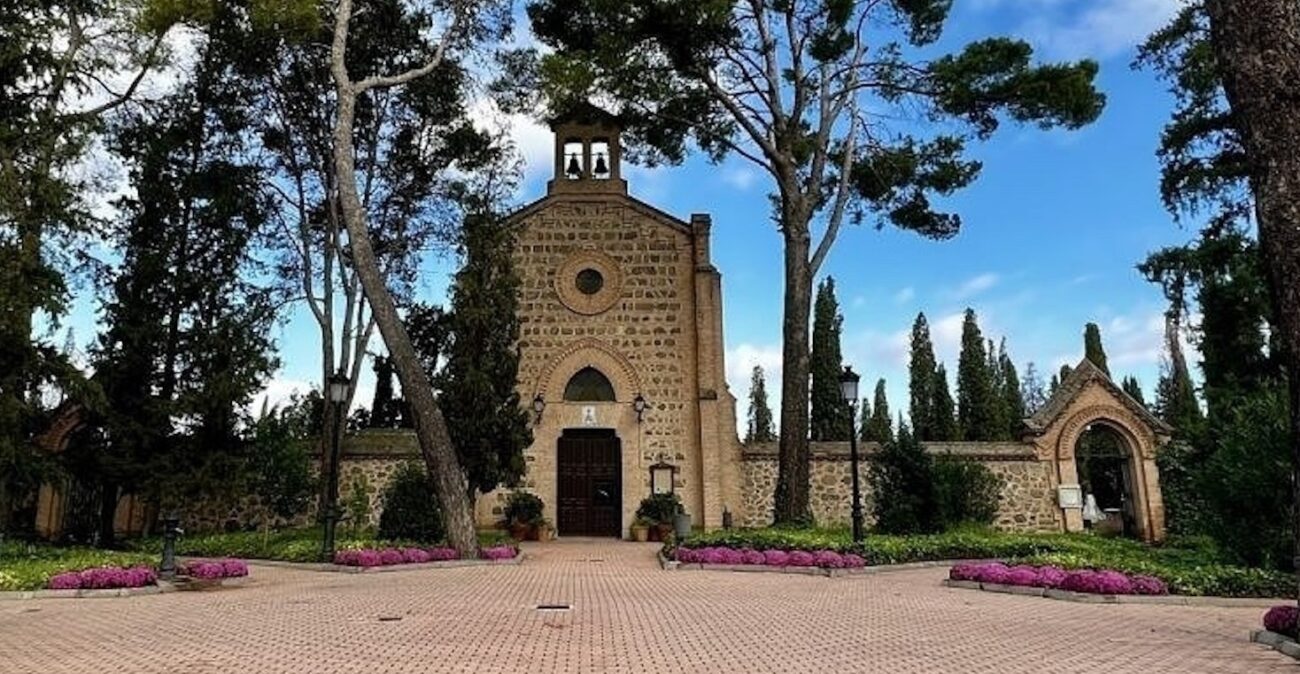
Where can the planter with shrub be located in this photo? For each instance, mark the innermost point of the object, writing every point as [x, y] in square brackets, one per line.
[523, 516]
[659, 511]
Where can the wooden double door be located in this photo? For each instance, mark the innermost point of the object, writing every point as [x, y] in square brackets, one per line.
[590, 483]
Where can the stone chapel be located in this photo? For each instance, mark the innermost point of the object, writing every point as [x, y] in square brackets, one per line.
[620, 343]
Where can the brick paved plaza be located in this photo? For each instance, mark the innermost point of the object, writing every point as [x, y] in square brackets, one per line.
[627, 616]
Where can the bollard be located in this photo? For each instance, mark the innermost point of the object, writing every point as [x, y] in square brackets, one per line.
[171, 530]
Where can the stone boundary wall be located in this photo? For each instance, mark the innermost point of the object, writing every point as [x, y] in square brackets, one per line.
[1028, 499]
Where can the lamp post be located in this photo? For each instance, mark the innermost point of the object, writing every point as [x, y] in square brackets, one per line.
[337, 391]
[849, 392]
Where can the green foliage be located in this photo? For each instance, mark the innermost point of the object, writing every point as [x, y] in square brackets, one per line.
[1190, 567]
[977, 401]
[358, 503]
[478, 391]
[385, 409]
[280, 466]
[523, 508]
[967, 492]
[29, 566]
[1092, 348]
[922, 368]
[760, 427]
[902, 479]
[829, 416]
[1133, 388]
[945, 413]
[659, 508]
[880, 427]
[1032, 391]
[410, 508]
[286, 545]
[1012, 401]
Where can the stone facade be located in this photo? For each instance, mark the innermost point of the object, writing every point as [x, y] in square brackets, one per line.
[1028, 499]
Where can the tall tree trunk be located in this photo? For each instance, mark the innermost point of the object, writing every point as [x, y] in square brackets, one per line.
[1257, 48]
[791, 499]
[430, 427]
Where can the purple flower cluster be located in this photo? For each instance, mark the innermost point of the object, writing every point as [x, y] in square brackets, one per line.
[826, 559]
[104, 578]
[215, 569]
[1282, 620]
[1051, 577]
[499, 552]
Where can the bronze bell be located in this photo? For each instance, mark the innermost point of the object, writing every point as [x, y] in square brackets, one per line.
[574, 170]
[602, 168]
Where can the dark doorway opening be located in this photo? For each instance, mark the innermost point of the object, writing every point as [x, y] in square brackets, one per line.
[589, 485]
[1106, 474]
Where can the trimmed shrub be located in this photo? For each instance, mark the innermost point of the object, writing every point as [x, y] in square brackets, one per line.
[1282, 620]
[410, 508]
[659, 508]
[523, 508]
[967, 492]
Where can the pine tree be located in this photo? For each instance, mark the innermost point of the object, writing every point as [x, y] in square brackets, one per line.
[921, 383]
[1032, 391]
[998, 381]
[479, 394]
[384, 409]
[880, 428]
[977, 402]
[1092, 348]
[829, 413]
[1013, 401]
[945, 414]
[760, 414]
[1133, 388]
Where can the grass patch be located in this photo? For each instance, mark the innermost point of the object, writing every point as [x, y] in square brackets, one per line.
[1190, 567]
[286, 545]
[29, 566]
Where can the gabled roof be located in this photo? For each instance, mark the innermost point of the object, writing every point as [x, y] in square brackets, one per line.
[585, 113]
[1083, 374]
[636, 204]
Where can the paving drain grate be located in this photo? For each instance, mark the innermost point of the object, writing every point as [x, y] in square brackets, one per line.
[553, 607]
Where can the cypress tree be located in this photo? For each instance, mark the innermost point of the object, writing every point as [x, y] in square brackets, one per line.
[1092, 348]
[1031, 390]
[945, 416]
[1134, 390]
[384, 412]
[1013, 400]
[881, 426]
[1055, 384]
[1064, 374]
[977, 403]
[921, 384]
[829, 413]
[864, 421]
[760, 414]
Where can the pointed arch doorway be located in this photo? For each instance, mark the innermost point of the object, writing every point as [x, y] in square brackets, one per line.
[589, 483]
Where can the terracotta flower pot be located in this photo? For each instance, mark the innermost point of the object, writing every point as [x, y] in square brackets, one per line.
[640, 534]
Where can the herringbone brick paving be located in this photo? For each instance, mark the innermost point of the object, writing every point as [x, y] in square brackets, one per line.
[627, 616]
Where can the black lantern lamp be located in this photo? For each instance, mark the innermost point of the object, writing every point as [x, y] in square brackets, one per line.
[539, 406]
[849, 393]
[639, 405]
[336, 389]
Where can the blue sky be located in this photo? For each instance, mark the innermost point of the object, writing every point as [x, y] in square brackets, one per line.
[1052, 230]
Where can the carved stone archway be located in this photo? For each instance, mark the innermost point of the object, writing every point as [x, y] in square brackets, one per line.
[1087, 397]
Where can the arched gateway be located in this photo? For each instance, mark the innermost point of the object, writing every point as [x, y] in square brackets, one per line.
[1102, 442]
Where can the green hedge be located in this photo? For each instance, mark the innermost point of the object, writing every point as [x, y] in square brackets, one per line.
[287, 545]
[1190, 567]
[27, 566]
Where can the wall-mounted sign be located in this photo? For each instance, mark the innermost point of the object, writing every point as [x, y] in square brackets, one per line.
[661, 478]
[1069, 496]
[588, 416]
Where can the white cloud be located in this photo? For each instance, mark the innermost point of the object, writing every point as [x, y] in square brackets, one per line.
[1087, 28]
[905, 295]
[739, 177]
[974, 286]
[277, 393]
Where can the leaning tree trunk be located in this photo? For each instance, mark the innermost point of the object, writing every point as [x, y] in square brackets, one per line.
[430, 426]
[791, 503]
[1257, 48]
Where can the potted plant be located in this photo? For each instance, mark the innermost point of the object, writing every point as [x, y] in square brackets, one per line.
[523, 516]
[659, 510]
[641, 529]
[545, 532]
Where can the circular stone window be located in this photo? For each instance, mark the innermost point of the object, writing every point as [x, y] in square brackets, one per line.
[589, 281]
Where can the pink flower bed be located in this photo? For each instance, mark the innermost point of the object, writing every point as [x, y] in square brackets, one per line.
[1282, 620]
[215, 569]
[826, 559]
[1051, 577]
[394, 556]
[104, 578]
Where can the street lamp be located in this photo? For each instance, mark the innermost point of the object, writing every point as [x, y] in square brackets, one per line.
[638, 406]
[337, 391]
[849, 392]
[539, 406]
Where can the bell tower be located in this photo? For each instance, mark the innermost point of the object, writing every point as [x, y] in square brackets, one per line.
[588, 153]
